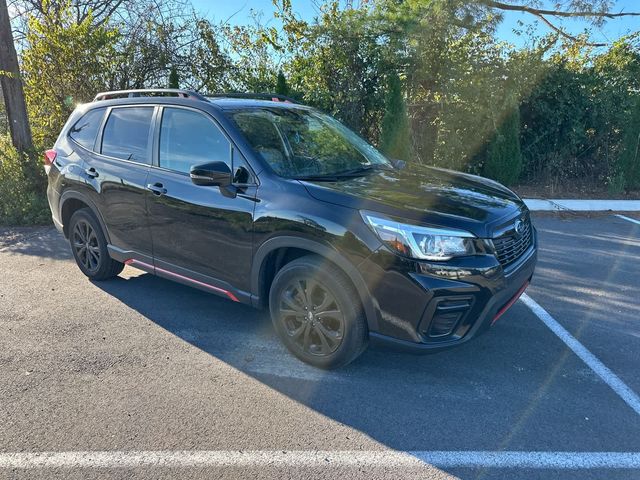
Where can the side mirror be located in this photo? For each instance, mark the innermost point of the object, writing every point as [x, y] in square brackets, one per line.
[398, 164]
[217, 174]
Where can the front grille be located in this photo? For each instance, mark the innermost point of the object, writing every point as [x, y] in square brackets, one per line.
[511, 246]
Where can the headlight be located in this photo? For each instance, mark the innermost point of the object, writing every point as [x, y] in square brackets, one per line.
[423, 243]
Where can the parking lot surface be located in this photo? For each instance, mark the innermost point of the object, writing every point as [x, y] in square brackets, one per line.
[145, 373]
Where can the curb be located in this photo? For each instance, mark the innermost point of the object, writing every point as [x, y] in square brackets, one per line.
[543, 205]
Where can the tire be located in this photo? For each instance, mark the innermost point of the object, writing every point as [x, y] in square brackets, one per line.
[317, 313]
[89, 247]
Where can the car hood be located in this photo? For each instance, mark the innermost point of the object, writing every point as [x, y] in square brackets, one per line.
[427, 195]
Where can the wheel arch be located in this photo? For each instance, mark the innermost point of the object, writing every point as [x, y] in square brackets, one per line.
[70, 202]
[276, 252]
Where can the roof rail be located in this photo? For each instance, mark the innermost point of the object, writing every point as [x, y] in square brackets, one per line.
[273, 97]
[149, 92]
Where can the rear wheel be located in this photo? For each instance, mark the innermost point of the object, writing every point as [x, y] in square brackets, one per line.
[89, 247]
[316, 311]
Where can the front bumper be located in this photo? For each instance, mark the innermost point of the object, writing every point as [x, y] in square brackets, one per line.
[426, 307]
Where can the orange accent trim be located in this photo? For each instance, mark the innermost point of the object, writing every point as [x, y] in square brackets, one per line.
[509, 304]
[133, 261]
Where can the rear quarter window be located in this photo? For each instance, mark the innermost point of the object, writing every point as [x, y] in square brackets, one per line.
[85, 130]
[126, 134]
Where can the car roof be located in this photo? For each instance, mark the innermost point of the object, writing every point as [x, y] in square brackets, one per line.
[239, 103]
[182, 97]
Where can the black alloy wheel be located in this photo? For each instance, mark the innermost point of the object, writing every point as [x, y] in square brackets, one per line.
[311, 316]
[89, 246]
[317, 312]
[85, 243]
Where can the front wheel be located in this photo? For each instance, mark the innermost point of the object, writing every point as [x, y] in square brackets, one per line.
[89, 247]
[316, 312]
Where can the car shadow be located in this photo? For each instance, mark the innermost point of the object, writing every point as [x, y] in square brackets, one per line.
[447, 401]
[515, 388]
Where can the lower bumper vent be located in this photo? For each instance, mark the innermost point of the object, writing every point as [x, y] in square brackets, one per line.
[446, 316]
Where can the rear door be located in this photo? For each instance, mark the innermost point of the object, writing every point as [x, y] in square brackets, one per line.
[117, 172]
[202, 233]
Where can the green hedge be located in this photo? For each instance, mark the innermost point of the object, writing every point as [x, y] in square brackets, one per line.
[22, 187]
[504, 157]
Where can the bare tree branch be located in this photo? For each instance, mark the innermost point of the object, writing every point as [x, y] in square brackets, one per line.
[557, 13]
[565, 34]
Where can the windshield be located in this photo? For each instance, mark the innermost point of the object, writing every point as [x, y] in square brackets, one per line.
[300, 143]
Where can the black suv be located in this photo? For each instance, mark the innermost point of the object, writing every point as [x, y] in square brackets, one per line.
[275, 204]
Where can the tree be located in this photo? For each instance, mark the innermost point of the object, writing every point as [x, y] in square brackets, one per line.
[594, 11]
[282, 88]
[395, 135]
[255, 52]
[504, 157]
[629, 162]
[339, 67]
[207, 66]
[84, 58]
[174, 78]
[11, 83]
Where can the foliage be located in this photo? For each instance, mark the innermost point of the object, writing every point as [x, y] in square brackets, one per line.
[338, 66]
[426, 80]
[66, 63]
[629, 163]
[174, 78]
[504, 159]
[255, 52]
[574, 117]
[22, 197]
[395, 135]
[206, 65]
[4, 124]
[282, 88]
[555, 119]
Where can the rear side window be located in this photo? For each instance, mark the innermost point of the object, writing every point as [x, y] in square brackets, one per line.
[188, 138]
[84, 131]
[126, 134]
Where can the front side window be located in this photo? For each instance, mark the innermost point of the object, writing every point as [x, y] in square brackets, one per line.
[188, 138]
[298, 143]
[126, 134]
[85, 130]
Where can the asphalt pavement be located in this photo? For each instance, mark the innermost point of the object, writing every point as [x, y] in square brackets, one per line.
[157, 380]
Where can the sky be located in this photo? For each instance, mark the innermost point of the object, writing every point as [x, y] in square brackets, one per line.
[239, 12]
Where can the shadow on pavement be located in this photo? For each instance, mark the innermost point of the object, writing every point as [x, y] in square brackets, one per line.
[43, 242]
[510, 389]
[515, 388]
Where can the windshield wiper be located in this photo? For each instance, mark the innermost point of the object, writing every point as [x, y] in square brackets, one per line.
[333, 177]
[362, 169]
[356, 172]
[317, 178]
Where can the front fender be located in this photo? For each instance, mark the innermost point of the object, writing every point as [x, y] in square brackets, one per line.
[370, 309]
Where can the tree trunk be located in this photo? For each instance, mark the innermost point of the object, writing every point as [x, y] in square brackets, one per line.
[11, 83]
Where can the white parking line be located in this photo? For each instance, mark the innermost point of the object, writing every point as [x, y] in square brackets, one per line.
[610, 378]
[632, 220]
[300, 458]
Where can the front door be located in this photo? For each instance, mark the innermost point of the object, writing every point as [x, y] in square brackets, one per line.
[199, 233]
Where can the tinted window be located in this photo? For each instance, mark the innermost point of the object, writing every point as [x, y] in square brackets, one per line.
[126, 134]
[85, 130]
[189, 138]
[265, 138]
[297, 142]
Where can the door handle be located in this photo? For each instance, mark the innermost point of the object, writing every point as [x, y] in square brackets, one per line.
[157, 188]
[91, 172]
